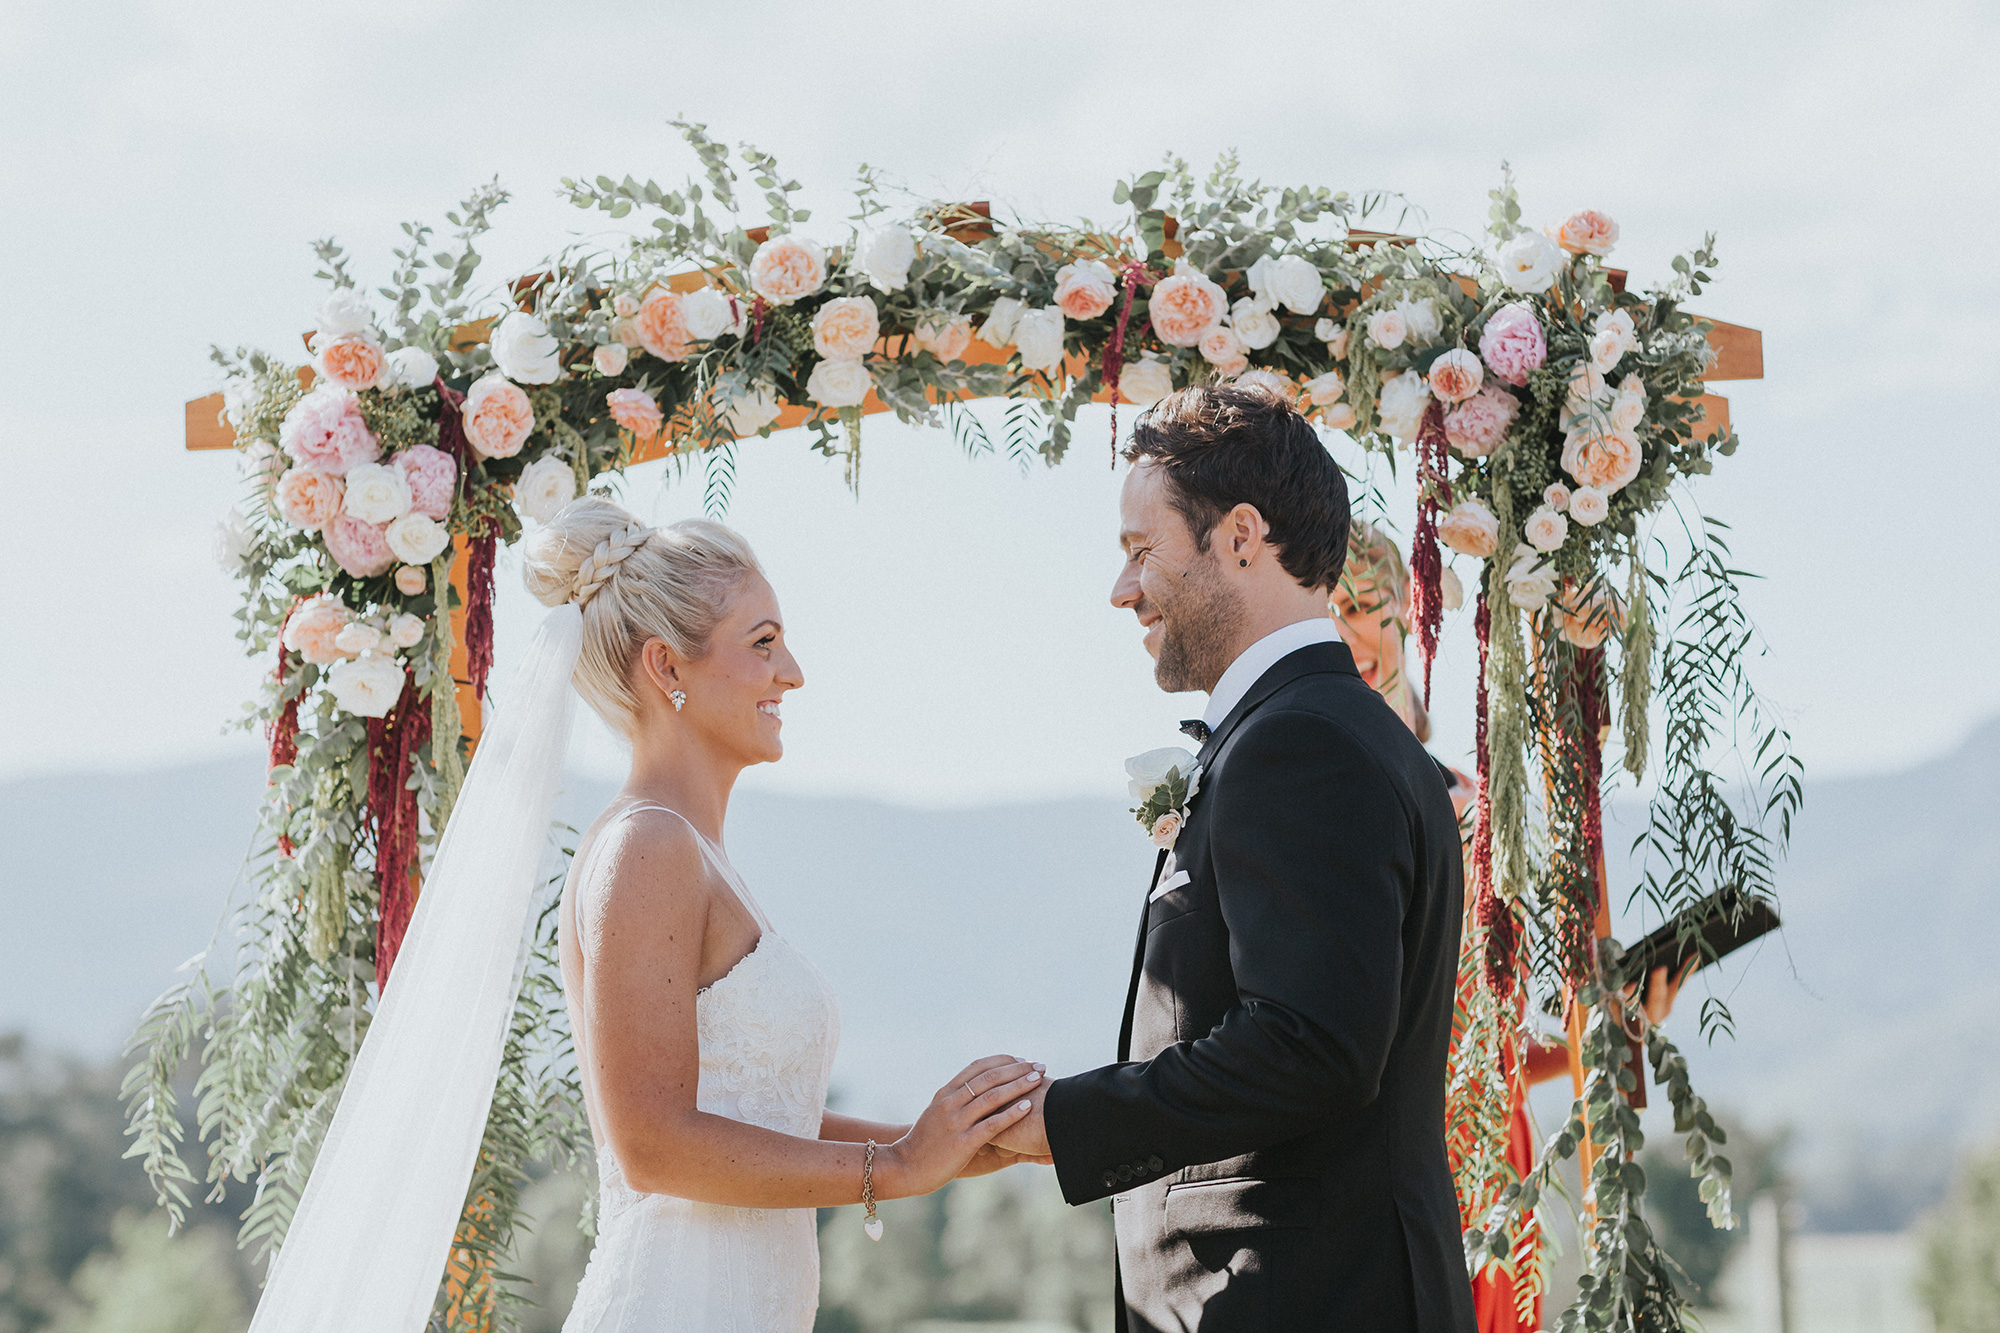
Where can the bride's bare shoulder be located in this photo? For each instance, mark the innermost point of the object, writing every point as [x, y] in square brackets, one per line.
[647, 856]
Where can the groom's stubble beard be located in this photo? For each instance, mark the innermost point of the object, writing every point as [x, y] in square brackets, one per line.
[1199, 622]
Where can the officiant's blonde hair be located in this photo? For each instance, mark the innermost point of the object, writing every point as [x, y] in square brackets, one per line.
[635, 583]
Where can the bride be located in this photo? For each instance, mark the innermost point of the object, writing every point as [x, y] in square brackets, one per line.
[703, 1038]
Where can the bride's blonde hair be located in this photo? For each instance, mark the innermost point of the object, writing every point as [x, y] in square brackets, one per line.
[634, 583]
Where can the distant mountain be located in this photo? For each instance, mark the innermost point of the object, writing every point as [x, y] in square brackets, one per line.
[950, 934]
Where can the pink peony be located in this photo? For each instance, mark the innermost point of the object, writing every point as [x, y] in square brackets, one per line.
[1085, 288]
[353, 362]
[497, 415]
[308, 499]
[661, 326]
[358, 547]
[636, 411]
[1477, 426]
[1455, 376]
[1512, 345]
[1186, 306]
[324, 431]
[312, 628]
[433, 478]
[1586, 233]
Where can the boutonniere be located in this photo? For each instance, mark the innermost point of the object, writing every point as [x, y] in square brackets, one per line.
[1164, 783]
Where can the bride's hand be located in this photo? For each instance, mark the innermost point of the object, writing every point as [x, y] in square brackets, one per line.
[984, 1099]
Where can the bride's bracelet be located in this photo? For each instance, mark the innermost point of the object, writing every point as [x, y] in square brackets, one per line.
[871, 1223]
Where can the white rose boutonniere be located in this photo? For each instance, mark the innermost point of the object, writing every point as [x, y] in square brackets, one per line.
[1164, 783]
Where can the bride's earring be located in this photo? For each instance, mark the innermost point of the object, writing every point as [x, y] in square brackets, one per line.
[679, 698]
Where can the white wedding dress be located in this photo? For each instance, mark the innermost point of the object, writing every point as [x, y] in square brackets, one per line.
[768, 1030]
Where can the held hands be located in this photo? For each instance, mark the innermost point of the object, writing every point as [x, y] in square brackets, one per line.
[957, 1128]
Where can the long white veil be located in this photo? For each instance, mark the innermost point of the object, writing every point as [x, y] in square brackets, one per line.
[373, 1229]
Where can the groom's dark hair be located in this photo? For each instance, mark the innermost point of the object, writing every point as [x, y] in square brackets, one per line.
[1221, 446]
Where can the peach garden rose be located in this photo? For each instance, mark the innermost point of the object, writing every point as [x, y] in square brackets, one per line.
[1085, 288]
[635, 411]
[845, 328]
[786, 269]
[1470, 529]
[661, 326]
[1587, 232]
[945, 339]
[1589, 506]
[1186, 306]
[1455, 376]
[312, 628]
[497, 416]
[353, 361]
[308, 499]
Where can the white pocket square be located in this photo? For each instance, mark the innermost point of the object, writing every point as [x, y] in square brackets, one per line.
[1168, 885]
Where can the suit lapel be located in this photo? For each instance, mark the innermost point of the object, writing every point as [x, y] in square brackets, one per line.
[1138, 962]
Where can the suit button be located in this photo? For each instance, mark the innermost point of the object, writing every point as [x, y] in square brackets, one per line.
[1110, 1180]
[1155, 1164]
[1124, 1173]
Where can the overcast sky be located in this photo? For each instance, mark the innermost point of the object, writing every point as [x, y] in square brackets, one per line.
[165, 166]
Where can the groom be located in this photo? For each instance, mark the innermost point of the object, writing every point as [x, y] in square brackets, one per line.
[1273, 1133]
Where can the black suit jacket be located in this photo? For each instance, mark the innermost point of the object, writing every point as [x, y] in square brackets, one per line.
[1274, 1131]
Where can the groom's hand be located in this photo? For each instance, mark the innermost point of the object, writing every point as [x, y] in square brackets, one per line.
[1029, 1136]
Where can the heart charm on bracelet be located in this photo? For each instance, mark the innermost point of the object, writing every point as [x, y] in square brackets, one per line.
[873, 1226]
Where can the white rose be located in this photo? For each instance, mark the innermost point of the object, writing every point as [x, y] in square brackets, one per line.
[624, 305]
[1422, 320]
[611, 359]
[238, 395]
[377, 492]
[998, 330]
[1402, 403]
[1270, 381]
[1387, 329]
[1325, 389]
[232, 541]
[406, 630]
[884, 255]
[1556, 495]
[1545, 529]
[1530, 582]
[1146, 382]
[1628, 408]
[415, 539]
[546, 485]
[368, 686]
[413, 367]
[1607, 348]
[1589, 506]
[356, 638]
[1292, 282]
[344, 311]
[1620, 322]
[707, 313]
[1166, 829]
[1039, 336]
[1530, 262]
[1147, 771]
[1255, 325]
[748, 413]
[838, 383]
[1335, 337]
[525, 350]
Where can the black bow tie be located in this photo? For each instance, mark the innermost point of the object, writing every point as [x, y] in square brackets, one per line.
[1196, 729]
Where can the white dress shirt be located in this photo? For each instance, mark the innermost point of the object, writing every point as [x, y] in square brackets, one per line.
[1260, 657]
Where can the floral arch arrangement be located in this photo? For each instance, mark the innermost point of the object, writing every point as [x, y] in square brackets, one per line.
[1553, 415]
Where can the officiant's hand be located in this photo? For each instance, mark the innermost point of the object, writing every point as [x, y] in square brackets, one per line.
[1028, 1137]
[981, 1101]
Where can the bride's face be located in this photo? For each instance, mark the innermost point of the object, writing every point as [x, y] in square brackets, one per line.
[735, 689]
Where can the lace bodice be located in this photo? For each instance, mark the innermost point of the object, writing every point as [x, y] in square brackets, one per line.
[767, 1031]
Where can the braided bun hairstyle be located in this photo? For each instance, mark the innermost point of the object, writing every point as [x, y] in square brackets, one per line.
[634, 583]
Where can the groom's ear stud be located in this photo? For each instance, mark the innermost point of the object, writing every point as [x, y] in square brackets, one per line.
[1244, 563]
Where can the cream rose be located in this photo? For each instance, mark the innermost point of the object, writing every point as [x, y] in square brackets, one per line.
[1530, 582]
[1546, 530]
[356, 638]
[1038, 335]
[368, 687]
[787, 268]
[411, 580]
[406, 630]
[1085, 288]
[611, 359]
[415, 539]
[1325, 389]
[1338, 417]
[1335, 336]
[1450, 591]
[1271, 382]
[624, 305]
[308, 499]
[1529, 263]
[747, 413]
[497, 417]
[709, 314]
[1291, 281]
[1221, 348]
[377, 492]
[1166, 829]
[1607, 349]
[1456, 376]
[1146, 382]
[998, 330]
[945, 339]
[312, 628]
[1185, 306]
[883, 255]
[546, 485]
[1256, 327]
[1620, 322]
[626, 331]
[1421, 319]
[1401, 404]
[1470, 529]
[1609, 460]
[413, 367]
[524, 349]
[845, 328]
[1387, 329]
[343, 311]
[1589, 506]
[1556, 496]
[843, 383]
[1628, 406]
